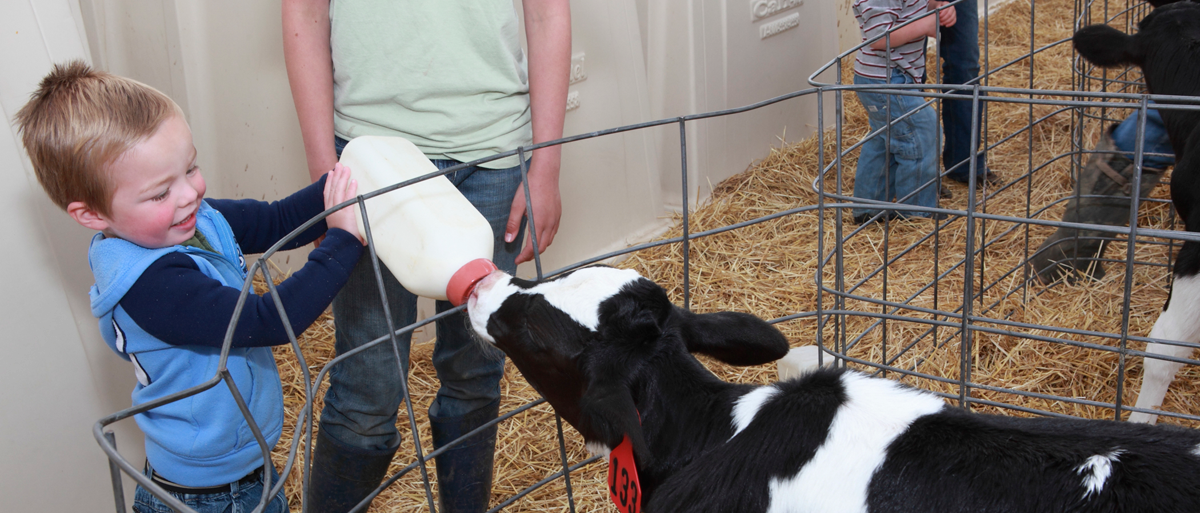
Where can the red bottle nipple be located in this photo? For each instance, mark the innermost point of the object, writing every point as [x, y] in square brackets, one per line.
[464, 279]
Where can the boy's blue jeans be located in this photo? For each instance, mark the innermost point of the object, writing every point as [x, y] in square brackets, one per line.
[899, 164]
[241, 498]
[959, 50]
[365, 391]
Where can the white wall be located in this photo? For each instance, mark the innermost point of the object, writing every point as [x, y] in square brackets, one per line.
[609, 185]
[848, 34]
[222, 61]
[711, 55]
[59, 377]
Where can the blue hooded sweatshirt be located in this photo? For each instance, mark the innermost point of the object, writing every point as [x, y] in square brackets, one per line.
[204, 440]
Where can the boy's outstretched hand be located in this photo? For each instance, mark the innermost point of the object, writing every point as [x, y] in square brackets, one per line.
[340, 187]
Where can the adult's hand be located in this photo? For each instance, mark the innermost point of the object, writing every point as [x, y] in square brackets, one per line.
[546, 201]
[548, 32]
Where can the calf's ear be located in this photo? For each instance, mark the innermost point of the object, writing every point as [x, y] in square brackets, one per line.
[607, 413]
[630, 325]
[732, 337]
[1107, 47]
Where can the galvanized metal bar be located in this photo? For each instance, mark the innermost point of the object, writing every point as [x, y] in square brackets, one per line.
[982, 291]
[115, 472]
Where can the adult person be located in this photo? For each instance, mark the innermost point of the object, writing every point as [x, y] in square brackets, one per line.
[959, 50]
[452, 78]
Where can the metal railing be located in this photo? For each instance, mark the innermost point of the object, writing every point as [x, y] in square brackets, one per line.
[903, 330]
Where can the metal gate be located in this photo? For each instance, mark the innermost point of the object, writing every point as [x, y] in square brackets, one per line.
[947, 305]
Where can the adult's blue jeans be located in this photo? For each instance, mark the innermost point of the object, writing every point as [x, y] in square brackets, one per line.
[959, 51]
[241, 498]
[1156, 140]
[364, 393]
[900, 163]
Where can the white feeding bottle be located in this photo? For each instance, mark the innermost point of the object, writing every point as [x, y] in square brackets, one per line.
[430, 237]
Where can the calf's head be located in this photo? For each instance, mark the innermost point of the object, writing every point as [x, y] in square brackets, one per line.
[585, 340]
[1166, 45]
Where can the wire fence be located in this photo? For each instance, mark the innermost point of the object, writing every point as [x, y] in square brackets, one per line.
[920, 305]
[971, 293]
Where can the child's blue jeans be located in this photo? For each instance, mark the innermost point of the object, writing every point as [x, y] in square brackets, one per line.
[242, 497]
[900, 163]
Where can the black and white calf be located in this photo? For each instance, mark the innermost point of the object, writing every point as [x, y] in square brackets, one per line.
[611, 354]
[1167, 49]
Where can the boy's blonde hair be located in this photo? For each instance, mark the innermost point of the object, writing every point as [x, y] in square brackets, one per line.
[81, 120]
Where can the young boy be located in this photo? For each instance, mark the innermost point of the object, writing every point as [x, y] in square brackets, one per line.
[906, 162]
[117, 156]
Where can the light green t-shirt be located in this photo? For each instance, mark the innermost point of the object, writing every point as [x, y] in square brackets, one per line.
[448, 75]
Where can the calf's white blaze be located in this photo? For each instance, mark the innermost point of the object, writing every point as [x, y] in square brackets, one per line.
[580, 293]
[748, 406]
[835, 480]
[597, 449]
[488, 296]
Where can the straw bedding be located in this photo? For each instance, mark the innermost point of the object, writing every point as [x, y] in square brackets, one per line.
[770, 268]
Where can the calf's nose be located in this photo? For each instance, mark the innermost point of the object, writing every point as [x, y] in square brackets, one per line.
[482, 303]
[485, 285]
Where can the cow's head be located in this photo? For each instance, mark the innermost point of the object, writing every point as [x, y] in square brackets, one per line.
[584, 339]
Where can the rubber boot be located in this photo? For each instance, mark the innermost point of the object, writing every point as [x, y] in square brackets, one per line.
[343, 475]
[464, 472]
[1108, 180]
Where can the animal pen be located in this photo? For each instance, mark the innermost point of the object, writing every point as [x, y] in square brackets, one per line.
[944, 305]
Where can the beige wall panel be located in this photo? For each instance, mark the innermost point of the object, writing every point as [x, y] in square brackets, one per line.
[609, 184]
[61, 377]
[708, 56]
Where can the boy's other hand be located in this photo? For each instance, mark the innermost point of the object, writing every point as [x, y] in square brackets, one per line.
[339, 187]
[946, 17]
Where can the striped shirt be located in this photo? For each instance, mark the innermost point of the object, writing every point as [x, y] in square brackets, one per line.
[878, 16]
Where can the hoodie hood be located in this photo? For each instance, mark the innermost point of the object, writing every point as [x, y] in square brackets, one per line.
[117, 263]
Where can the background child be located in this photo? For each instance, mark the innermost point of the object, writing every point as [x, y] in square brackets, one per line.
[902, 162]
[117, 156]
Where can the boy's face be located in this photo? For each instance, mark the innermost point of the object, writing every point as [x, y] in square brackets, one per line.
[157, 190]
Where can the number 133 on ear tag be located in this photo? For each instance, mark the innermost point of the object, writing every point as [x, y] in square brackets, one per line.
[623, 485]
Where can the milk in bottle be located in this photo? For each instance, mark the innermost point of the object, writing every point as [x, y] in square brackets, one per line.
[430, 237]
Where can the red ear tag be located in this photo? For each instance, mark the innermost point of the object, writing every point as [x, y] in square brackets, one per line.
[623, 485]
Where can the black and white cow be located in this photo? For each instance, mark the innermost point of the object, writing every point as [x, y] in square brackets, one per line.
[1167, 49]
[611, 354]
